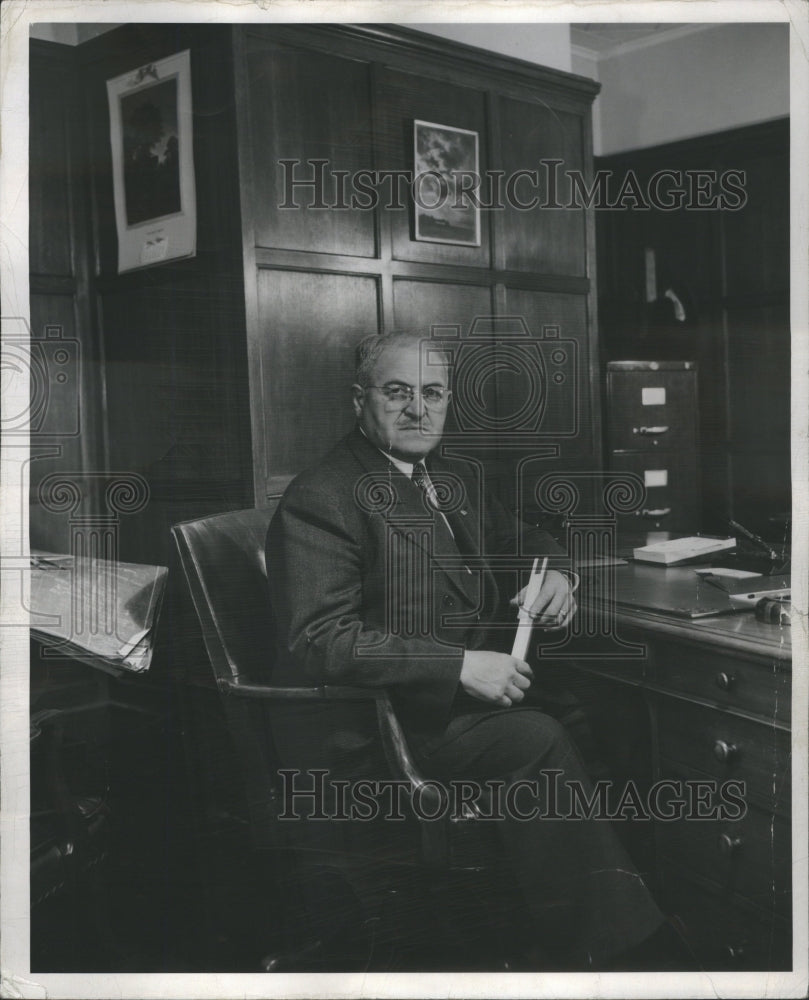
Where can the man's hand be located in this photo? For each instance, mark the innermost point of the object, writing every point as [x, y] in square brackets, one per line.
[495, 677]
[554, 605]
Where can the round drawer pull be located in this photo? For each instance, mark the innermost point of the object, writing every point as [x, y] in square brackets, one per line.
[729, 845]
[724, 680]
[735, 952]
[724, 751]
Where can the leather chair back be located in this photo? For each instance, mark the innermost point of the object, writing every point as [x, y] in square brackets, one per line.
[223, 560]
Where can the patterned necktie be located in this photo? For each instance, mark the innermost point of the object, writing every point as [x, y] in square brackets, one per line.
[422, 480]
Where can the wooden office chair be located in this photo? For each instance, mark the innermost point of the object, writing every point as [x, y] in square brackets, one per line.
[223, 560]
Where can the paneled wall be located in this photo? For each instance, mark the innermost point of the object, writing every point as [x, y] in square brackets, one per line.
[730, 270]
[175, 360]
[319, 278]
[65, 373]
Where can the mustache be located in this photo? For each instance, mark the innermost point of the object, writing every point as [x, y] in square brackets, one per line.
[423, 423]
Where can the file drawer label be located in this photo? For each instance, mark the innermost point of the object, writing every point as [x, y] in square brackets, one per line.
[653, 396]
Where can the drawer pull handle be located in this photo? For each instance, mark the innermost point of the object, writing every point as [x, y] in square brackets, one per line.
[655, 512]
[729, 845]
[663, 429]
[735, 952]
[724, 751]
[725, 681]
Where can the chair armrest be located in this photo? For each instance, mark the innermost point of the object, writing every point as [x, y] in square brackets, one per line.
[394, 741]
[434, 835]
[324, 692]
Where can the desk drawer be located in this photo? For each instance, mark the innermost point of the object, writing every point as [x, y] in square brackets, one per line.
[751, 857]
[726, 936]
[726, 681]
[672, 494]
[727, 746]
[652, 409]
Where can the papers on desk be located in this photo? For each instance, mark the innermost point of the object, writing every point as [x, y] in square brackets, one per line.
[676, 551]
[599, 562]
[744, 587]
[104, 612]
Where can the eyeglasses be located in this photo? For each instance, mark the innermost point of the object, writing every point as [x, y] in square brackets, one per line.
[434, 397]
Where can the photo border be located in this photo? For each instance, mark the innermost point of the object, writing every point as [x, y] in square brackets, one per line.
[17, 982]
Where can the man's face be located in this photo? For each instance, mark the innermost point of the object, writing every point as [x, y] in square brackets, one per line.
[406, 429]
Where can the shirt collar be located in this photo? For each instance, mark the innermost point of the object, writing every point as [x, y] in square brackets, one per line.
[404, 467]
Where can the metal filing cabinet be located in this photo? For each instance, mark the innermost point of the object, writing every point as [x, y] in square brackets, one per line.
[652, 431]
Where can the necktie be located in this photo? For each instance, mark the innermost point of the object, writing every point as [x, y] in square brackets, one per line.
[422, 480]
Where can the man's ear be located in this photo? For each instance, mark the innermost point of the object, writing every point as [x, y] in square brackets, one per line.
[357, 394]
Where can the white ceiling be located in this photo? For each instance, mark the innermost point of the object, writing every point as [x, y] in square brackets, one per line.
[604, 40]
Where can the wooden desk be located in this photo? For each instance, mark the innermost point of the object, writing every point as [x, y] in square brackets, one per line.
[718, 694]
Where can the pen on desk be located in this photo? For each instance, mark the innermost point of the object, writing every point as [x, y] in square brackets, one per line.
[524, 619]
[755, 539]
[42, 562]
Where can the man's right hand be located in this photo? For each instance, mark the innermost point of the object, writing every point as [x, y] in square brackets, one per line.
[495, 677]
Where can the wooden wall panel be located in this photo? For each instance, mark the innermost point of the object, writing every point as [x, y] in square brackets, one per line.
[177, 409]
[65, 422]
[50, 226]
[60, 410]
[310, 325]
[759, 391]
[418, 305]
[308, 106]
[759, 263]
[401, 98]
[350, 94]
[569, 416]
[172, 406]
[546, 240]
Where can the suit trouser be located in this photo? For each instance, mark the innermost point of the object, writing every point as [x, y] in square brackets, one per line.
[587, 900]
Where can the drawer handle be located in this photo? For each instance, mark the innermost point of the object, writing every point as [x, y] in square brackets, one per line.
[663, 429]
[724, 751]
[735, 952]
[655, 512]
[728, 845]
[725, 681]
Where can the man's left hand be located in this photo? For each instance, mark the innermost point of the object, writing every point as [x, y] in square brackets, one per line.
[554, 605]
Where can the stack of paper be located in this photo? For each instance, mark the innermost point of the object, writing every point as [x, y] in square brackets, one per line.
[679, 550]
[107, 610]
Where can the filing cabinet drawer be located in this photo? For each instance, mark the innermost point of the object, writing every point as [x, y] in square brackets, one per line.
[727, 746]
[671, 494]
[727, 681]
[652, 408]
[726, 937]
[750, 857]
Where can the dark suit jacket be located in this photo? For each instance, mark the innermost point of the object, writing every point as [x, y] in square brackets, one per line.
[369, 588]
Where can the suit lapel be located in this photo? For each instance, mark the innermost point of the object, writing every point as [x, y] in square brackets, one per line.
[403, 508]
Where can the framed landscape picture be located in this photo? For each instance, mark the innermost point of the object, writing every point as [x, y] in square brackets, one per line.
[443, 210]
[153, 163]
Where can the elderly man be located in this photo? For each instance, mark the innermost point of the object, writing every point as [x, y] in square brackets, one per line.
[381, 564]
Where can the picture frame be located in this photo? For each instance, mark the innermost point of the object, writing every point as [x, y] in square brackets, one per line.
[442, 209]
[151, 138]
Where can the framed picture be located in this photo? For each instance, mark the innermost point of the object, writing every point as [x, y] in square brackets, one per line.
[443, 211]
[153, 162]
